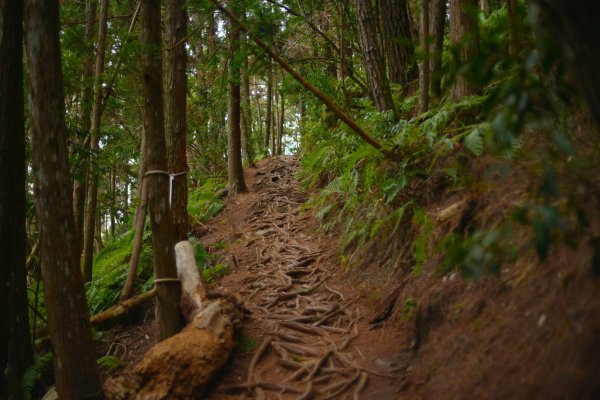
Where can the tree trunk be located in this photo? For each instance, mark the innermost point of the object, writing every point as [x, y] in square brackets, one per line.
[15, 340]
[92, 195]
[281, 125]
[274, 124]
[113, 200]
[74, 358]
[398, 41]
[437, 24]
[485, 7]
[424, 67]
[163, 235]
[372, 55]
[269, 110]
[511, 7]
[80, 185]
[176, 111]
[464, 33]
[235, 170]
[246, 113]
[576, 29]
[140, 224]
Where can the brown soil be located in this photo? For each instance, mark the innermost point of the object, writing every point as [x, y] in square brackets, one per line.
[318, 330]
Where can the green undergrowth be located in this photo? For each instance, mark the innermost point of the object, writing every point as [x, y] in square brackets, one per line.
[520, 121]
[112, 262]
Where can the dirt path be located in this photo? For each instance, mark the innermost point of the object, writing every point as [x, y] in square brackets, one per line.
[310, 332]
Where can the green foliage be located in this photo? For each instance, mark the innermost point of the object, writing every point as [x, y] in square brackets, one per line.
[425, 225]
[110, 362]
[475, 255]
[409, 309]
[110, 271]
[212, 273]
[204, 201]
[41, 365]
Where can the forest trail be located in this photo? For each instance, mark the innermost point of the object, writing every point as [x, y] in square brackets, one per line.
[309, 333]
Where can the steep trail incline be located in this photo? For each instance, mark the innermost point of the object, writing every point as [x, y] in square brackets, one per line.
[310, 332]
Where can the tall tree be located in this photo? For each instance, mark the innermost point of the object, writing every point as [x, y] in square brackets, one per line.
[437, 24]
[176, 111]
[80, 185]
[424, 70]
[398, 41]
[246, 110]
[15, 341]
[373, 57]
[92, 195]
[464, 33]
[235, 171]
[269, 110]
[168, 315]
[74, 359]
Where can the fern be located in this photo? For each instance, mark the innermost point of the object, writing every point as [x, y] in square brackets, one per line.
[33, 374]
[110, 362]
[474, 141]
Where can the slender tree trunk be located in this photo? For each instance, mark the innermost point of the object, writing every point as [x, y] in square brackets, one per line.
[269, 110]
[281, 124]
[424, 76]
[80, 185]
[92, 195]
[136, 250]
[15, 340]
[274, 124]
[398, 41]
[437, 25]
[247, 113]
[68, 321]
[372, 55]
[485, 7]
[168, 315]
[511, 7]
[235, 171]
[176, 111]
[113, 201]
[464, 32]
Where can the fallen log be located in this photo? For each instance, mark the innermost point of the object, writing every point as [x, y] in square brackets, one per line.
[182, 366]
[121, 309]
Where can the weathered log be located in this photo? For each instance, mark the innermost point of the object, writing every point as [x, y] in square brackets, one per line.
[182, 366]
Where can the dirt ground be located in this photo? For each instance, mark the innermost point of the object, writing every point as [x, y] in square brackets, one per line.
[319, 330]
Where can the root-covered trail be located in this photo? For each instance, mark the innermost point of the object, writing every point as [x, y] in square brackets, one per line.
[311, 338]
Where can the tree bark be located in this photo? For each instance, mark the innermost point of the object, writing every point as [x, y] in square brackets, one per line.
[176, 111]
[80, 185]
[163, 235]
[373, 57]
[136, 250]
[424, 70]
[235, 170]
[437, 26]
[281, 124]
[15, 340]
[68, 322]
[398, 41]
[464, 33]
[92, 195]
[269, 106]
[246, 113]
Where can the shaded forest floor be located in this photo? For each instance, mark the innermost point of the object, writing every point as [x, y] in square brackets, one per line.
[319, 330]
